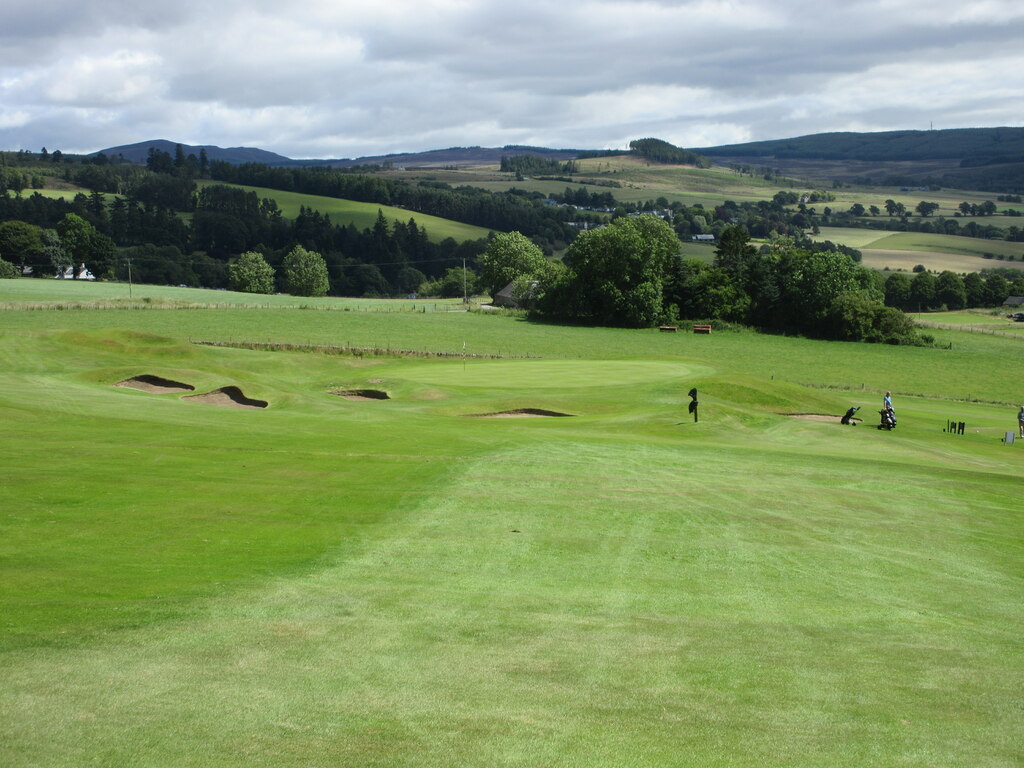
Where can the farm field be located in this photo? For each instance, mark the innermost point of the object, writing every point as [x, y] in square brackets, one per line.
[905, 250]
[977, 321]
[331, 581]
[640, 182]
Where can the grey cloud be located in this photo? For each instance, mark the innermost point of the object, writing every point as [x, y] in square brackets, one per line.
[335, 78]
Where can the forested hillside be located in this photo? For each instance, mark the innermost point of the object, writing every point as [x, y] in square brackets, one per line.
[969, 158]
[972, 144]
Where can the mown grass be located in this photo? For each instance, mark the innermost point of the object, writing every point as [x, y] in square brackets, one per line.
[328, 582]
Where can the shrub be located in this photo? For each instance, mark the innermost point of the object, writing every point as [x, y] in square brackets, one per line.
[7, 270]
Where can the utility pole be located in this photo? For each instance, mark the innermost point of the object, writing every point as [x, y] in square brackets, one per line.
[129, 276]
[465, 298]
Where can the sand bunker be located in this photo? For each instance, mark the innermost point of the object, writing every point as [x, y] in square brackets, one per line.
[817, 417]
[155, 384]
[517, 413]
[363, 394]
[229, 397]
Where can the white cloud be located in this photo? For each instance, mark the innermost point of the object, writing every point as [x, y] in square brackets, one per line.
[319, 78]
[117, 78]
[14, 118]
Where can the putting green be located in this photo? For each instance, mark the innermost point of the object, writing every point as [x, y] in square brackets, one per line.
[515, 374]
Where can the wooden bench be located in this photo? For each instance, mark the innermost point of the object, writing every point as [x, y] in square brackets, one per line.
[668, 328]
[702, 329]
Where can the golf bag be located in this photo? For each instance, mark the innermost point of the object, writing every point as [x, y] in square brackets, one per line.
[848, 416]
[888, 419]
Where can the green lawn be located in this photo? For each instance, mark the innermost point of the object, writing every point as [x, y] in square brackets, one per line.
[329, 582]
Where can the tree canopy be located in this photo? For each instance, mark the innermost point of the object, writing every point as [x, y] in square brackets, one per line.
[250, 273]
[508, 257]
[305, 273]
[615, 275]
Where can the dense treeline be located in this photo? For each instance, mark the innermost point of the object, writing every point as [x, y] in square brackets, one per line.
[659, 151]
[534, 165]
[783, 287]
[989, 158]
[902, 221]
[982, 143]
[161, 247]
[924, 290]
[631, 274]
[500, 211]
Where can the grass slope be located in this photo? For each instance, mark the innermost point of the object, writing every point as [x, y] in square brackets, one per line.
[328, 582]
[364, 215]
[905, 250]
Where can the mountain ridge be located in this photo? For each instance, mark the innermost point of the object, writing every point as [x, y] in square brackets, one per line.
[973, 158]
[972, 146]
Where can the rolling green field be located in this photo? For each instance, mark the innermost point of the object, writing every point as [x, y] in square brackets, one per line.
[328, 582]
[905, 250]
[364, 215]
[640, 181]
[991, 321]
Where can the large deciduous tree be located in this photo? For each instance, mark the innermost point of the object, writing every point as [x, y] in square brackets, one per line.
[615, 275]
[922, 291]
[82, 243]
[897, 290]
[250, 273]
[305, 273]
[20, 242]
[949, 290]
[509, 256]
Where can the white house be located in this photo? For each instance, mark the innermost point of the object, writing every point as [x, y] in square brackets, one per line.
[69, 273]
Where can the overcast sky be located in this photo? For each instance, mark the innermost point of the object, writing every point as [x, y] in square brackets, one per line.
[345, 79]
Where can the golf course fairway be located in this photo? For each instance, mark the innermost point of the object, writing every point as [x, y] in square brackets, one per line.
[380, 581]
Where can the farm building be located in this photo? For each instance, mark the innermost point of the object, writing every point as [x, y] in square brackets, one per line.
[507, 297]
[71, 273]
[1014, 301]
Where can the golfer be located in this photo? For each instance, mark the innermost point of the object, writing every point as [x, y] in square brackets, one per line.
[887, 401]
[1020, 420]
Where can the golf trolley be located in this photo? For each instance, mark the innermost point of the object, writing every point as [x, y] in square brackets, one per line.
[888, 420]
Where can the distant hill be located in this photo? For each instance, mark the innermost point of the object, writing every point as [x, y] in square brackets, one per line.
[137, 153]
[990, 159]
[972, 158]
[453, 157]
[457, 157]
[973, 144]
